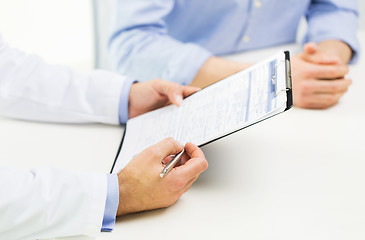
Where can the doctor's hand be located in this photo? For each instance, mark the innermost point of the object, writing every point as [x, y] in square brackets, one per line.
[148, 96]
[318, 79]
[140, 186]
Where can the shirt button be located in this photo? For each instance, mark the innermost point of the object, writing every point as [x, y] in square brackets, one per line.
[257, 4]
[246, 39]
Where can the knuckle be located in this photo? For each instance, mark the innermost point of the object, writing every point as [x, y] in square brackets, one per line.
[306, 86]
[157, 81]
[176, 197]
[179, 184]
[152, 152]
[346, 88]
[306, 105]
[171, 142]
[301, 102]
[172, 200]
[204, 164]
[313, 71]
[323, 106]
[346, 69]
[332, 99]
[335, 88]
[333, 72]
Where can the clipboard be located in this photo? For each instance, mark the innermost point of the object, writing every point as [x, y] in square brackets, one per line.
[276, 91]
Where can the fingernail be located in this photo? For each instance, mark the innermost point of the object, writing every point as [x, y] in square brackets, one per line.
[178, 99]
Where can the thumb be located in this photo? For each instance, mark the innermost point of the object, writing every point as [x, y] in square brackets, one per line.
[188, 90]
[173, 91]
[195, 165]
[313, 54]
[177, 94]
[311, 48]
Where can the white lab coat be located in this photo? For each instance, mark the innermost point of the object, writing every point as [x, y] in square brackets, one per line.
[47, 203]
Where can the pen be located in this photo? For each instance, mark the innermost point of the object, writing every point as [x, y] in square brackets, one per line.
[172, 163]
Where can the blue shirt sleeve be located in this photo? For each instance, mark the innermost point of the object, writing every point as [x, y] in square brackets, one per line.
[124, 101]
[111, 204]
[172, 39]
[140, 46]
[334, 19]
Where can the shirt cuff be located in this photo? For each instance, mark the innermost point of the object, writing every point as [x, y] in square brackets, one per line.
[124, 100]
[111, 204]
[339, 25]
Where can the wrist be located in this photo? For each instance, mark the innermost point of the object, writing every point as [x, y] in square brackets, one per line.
[122, 200]
[124, 101]
[131, 198]
[130, 100]
[337, 48]
[215, 69]
[125, 200]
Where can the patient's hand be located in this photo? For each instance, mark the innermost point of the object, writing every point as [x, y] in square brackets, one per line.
[318, 79]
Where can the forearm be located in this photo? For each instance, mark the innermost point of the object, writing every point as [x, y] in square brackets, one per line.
[334, 24]
[336, 48]
[31, 89]
[215, 69]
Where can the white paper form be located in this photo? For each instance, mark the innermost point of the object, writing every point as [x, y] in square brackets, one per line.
[231, 104]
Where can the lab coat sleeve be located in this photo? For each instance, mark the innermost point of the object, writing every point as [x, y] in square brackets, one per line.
[47, 203]
[31, 89]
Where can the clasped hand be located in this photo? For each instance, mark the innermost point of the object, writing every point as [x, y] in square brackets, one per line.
[318, 79]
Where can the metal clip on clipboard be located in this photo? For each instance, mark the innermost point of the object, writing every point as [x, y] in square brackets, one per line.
[288, 82]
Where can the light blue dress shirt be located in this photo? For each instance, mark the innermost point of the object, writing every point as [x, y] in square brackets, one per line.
[112, 198]
[111, 204]
[171, 39]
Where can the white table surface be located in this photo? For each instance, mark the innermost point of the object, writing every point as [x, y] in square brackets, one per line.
[299, 175]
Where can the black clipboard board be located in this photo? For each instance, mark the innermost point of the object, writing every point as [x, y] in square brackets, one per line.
[289, 104]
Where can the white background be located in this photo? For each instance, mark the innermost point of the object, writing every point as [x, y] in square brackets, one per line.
[61, 31]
